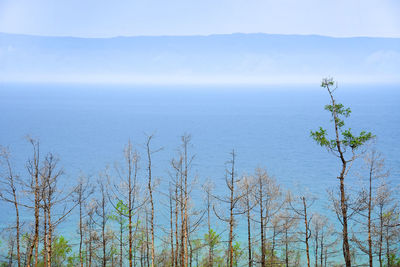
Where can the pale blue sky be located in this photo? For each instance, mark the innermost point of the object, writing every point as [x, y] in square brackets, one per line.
[106, 18]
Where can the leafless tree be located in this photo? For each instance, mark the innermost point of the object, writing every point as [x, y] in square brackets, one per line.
[374, 165]
[247, 185]
[123, 194]
[289, 222]
[323, 238]
[232, 200]
[267, 195]
[102, 213]
[82, 192]
[33, 167]
[9, 193]
[182, 167]
[386, 210]
[208, 187]
[150, 188]
[301, 208]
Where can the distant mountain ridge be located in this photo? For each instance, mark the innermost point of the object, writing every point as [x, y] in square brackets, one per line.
[233, 58]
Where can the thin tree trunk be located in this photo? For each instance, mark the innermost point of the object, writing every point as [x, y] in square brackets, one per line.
[316, 247]
[210, 248]
[248, 226]
[34, 171]
[307, 231]
[232, 187]
[151, 201]
[369, 219]
[286, 248]
[388, 246]
[272, 260]
[186, 230]
[44, 234]
[80, 225]
[50, 233]
[380, 237]
[17, 227]
[262, 223]
[171, 228]
[176, 226]
[322, 247]
[120, 242]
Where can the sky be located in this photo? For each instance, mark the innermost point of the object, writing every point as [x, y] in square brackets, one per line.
[107, 18]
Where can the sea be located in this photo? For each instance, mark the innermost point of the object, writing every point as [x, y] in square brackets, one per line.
[88, 125]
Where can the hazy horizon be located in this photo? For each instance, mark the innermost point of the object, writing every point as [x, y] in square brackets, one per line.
[230, 59]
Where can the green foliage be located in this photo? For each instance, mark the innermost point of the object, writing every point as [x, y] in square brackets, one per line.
[61, 249]
[394, 260]
[237, 253]
[346, 138]
[212, 239]
[73, 260]
[60, 252]
[121, 210]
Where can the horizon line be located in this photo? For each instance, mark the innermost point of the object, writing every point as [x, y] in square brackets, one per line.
[199, 35]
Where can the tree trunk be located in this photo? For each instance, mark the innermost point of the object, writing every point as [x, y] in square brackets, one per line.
[151, 201]
[346, 246]
[248, 226]
[232, 189]
[307, 231]
[369, 219]
[262, 223]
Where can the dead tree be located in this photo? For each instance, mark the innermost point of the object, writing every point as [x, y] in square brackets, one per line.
[342, 141]
[374, 166]
[386, 210]
[267, 193]
[34, 172]
[82, 192]
[9, 193]
[150, 188]
[288, 223]
[123, 196]
[247, 203]
[182, 167]
[322, 238]
[102, 213]
[232, 200]
[301, 209]
[56, 204]
[208, 187]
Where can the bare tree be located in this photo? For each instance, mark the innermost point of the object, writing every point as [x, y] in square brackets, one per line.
[102, 213]
[232, 201]
[182, 167]
[9, 193]
[266, 195]
[82, 192]
[123, 196]
[386, 210]
[150, 188]
[208, 187]
[374, 164]
[247, 203]
[323, 239]
[301, 208]
[288, 223]
[34, 171]
[343, 140]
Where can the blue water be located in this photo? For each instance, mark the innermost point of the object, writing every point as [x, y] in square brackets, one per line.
[87, 126]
